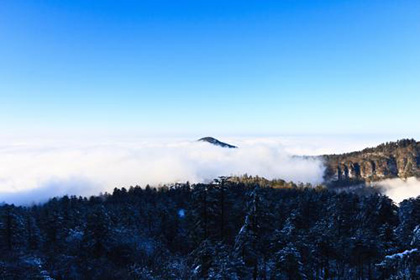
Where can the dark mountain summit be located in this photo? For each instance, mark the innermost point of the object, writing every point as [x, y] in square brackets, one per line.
[216, 142]
[400, 159]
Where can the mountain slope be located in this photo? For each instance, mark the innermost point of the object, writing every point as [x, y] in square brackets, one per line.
[399, 159]
[216, 142]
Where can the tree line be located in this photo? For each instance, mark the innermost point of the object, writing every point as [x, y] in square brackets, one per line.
[227, 229]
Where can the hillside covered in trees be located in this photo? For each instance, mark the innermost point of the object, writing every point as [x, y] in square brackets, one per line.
[224, 230]
[400, 159]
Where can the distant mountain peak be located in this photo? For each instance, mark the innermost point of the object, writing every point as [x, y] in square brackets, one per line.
[216, 142]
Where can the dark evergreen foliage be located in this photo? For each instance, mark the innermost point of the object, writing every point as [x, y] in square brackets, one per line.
[224, 230]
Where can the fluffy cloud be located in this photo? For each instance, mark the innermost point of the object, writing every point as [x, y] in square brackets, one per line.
[399, 189]
[35, 172]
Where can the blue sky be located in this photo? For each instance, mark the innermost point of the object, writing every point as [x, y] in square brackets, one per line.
[210, 67]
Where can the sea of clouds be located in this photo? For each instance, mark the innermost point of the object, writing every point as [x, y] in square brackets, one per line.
[34, 171]
[31, 172]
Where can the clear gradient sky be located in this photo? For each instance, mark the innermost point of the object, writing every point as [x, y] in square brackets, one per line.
[210, 67]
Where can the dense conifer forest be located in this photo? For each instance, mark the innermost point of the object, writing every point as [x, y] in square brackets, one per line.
[224, 230]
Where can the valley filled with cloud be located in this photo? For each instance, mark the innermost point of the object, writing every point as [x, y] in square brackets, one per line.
[33, 172]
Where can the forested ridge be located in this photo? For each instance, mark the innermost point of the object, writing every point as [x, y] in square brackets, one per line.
[222, 230]
[399, 159]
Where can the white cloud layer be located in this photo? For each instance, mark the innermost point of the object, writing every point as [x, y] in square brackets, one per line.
[399, 189]
[35, 172]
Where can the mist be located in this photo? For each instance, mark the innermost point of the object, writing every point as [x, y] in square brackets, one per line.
[35, 172]
[400, 189]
